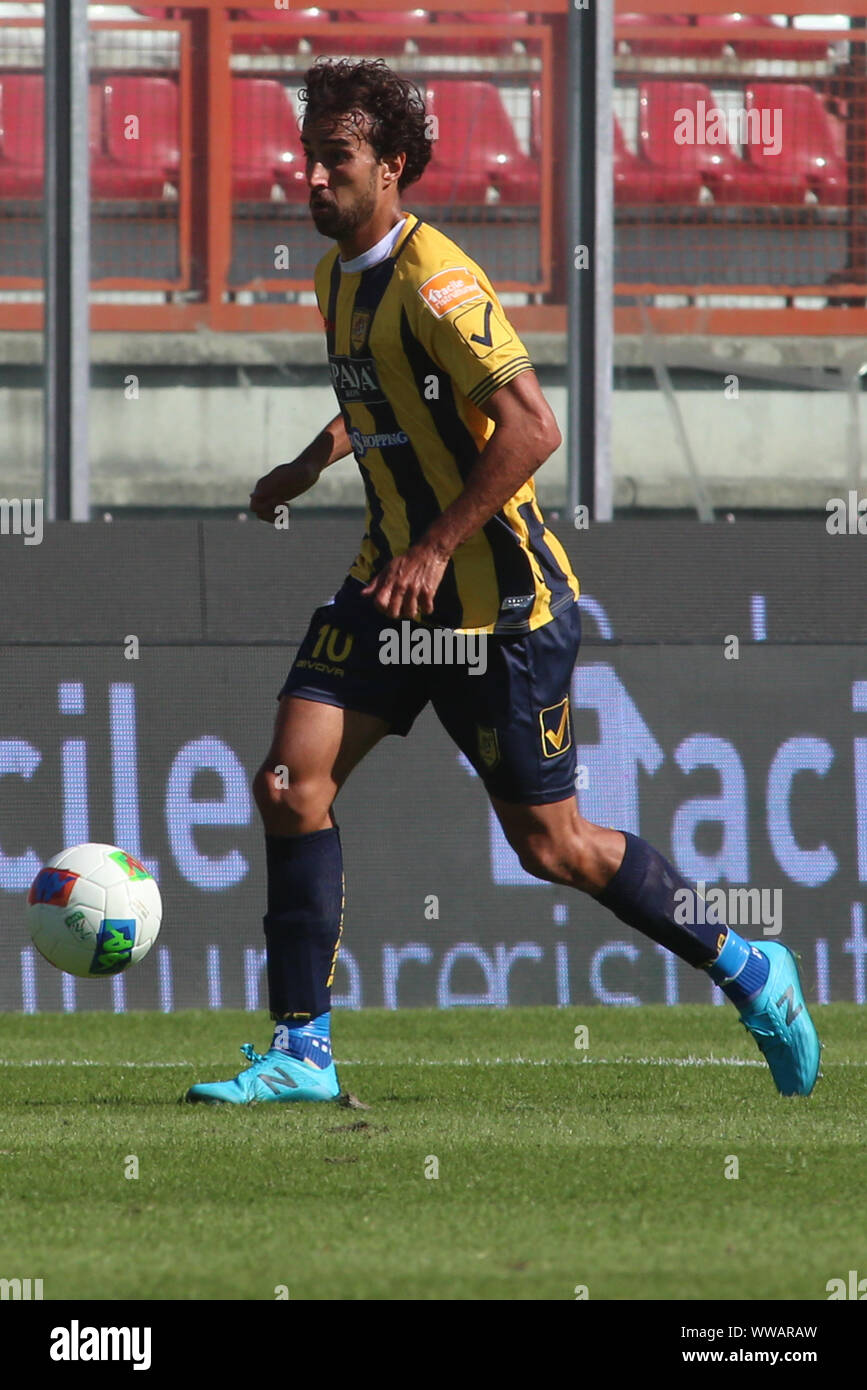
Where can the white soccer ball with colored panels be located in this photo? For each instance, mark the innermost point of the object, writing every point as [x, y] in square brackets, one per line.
[93, 910]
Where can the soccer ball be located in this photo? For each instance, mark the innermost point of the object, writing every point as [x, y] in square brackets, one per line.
[93, 910]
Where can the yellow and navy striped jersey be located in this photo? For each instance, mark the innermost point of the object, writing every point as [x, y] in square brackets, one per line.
[416, 345]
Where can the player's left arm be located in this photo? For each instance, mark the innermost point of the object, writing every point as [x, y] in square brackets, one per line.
[526, 434]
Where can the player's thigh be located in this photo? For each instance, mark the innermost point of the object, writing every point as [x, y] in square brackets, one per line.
[319, 744]
[553, 820]
[512, 720]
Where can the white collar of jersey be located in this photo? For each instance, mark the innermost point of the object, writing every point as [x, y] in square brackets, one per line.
[376, 253]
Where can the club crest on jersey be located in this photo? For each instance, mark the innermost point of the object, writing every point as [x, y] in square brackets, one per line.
[489, 748]
[449, 288]
[355, 380]
[359, 327]
[555, 729]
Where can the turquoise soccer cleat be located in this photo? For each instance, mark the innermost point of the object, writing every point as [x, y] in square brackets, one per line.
[276, 1076]
[782, 1027]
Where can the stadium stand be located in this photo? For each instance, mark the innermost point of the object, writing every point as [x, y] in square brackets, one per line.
[812, 147]
[266, 145]
[638, 181]
[660, 104]
[535, 136]
[121, 167]
[490, 152]
[21, 135]
[481, 45]
[313, 40]
[808, 166]
[688, 42]
[638, 42]
[417, 22]
[734, 43]
[419, 32]
[477, 157]
[141, 166]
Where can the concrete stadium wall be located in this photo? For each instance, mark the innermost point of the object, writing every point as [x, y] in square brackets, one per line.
[212, 413]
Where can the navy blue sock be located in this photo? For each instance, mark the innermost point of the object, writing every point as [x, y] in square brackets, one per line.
[650, 895]
[303, 923]
[642, 894]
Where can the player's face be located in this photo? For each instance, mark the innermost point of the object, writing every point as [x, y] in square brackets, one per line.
[343, 175]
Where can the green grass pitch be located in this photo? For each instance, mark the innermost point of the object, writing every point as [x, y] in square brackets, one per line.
[557, 1167]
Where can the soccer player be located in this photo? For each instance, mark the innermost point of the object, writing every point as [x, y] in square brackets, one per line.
[441, 407]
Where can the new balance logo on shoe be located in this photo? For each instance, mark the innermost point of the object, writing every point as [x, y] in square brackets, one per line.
[272, 1081]
[791, 1014]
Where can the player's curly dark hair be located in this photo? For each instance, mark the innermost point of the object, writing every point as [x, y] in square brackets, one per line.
[335, 88]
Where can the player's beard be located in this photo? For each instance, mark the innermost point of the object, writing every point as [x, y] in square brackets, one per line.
[342, 223]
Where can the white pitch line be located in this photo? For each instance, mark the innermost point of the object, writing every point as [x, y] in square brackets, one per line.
[66, 1062]
[567, 1062]
[458, 1062]
[583, 1061]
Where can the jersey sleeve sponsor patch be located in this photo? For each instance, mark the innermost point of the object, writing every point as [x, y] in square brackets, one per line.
[449, 288]
[483, 329]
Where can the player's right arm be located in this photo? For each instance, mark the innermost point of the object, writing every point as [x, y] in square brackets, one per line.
[289, 480]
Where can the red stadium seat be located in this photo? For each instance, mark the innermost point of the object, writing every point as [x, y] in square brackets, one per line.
[697, 44]
[266, 142]
[416, 22]
[814, 50]
[536, 122]
[688, 42]
[140, 159]
[104, 173]
[137, 173]
[108, 179]
[636, 181]
[731, 179]
[476, 156]
[96, 133]
[811, 157]
[637, 22]
[634, 178]
[771, 47]
[508, 19]
[673, 130]
[455, 173]
[496, 44]
[22, 158]
[275, 42]
[407, 19]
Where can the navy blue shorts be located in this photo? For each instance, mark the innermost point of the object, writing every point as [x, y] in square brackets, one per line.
[513, 721]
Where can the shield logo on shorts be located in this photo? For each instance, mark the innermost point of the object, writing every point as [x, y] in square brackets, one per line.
[358, 329]
[556, 729]
[489, 749]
